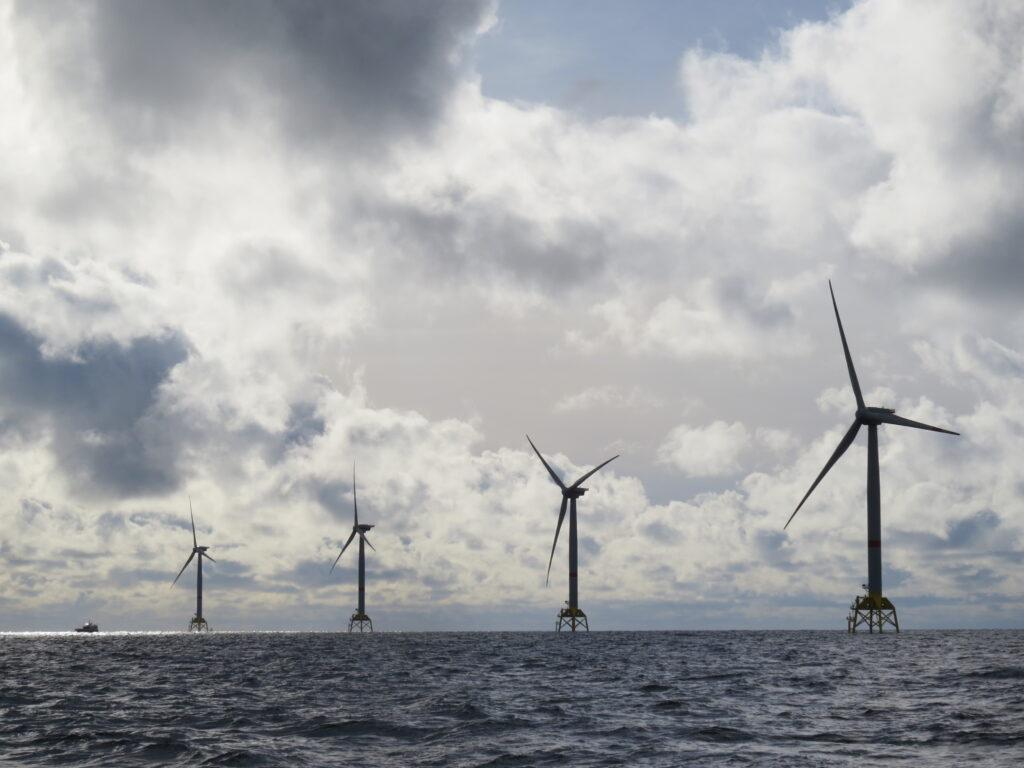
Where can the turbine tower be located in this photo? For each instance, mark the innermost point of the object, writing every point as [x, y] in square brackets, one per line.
[571, 616]
[359, 618]
[873, 609]
[198, 623]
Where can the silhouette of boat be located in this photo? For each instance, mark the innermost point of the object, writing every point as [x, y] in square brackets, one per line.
[89, 626]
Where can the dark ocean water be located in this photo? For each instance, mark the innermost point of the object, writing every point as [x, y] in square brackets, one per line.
[510, 699]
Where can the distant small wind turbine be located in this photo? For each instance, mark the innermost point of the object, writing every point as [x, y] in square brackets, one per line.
[571, 616]
[198, 623]
[872, 609]
[359, 618]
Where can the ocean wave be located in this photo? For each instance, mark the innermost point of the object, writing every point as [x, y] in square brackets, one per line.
[528, 699]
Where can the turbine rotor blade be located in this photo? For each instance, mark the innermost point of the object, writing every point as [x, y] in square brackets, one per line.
[183, 568]
[561, 517]
[203, 554]
[355, 502]
[351, 536]
[195, 543]
[846, 352]
[892, 418]
[577, 483]
[845, 443]
[547, 466]
[369, 544]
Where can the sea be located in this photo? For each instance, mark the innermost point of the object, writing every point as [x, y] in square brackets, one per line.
[921, 698]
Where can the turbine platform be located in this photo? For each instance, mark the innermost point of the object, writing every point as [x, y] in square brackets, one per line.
[361, 621]
[198, 624]
[571, 618]
[871, 611]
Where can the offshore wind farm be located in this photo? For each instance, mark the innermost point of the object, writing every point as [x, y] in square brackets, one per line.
[873, 610]
[248, 247]
[465, 265]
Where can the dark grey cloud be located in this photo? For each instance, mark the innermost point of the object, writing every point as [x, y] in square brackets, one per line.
[773, 547]
[740, 296]
[970, 530]
[986, 266]
[487, 241]
[98, 407]
[317, 574]
[159, 519]
[71, 553]
[126, 577]
[303, 426]
[270, 270]
[365, 67]
[31, 508]
[976, 531]
[971, 578]
[442, 583]
[590, 546]
[996, 359]
[335, 496]
[896, 577]
[658, 531]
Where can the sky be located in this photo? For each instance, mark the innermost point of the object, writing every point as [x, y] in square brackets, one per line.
[246, 245]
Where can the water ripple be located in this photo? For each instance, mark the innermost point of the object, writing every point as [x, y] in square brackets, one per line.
[513, 699]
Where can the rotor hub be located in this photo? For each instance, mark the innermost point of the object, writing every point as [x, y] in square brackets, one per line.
[873, 415]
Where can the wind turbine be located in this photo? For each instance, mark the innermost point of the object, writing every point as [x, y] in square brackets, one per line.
[359, 617]
[198, 623]
[872, 609]
[571, 616]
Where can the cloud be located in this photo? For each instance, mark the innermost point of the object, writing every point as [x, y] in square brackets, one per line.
[239, 262]
[778, 441]
[705, 451]
[99, 410]
[70, 302]
[607, 397]
[938, 138]
[715, 319]
[720, 449]
[368, 71]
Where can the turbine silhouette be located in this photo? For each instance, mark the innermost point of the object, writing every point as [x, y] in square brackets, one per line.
[359, 618]
[198, 623]
[872, 609]
[570, 616]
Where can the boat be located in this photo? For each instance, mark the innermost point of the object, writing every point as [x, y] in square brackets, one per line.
[89, 626]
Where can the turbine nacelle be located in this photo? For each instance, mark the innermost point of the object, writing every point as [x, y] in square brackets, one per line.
[363, 527]
[870, 415]
[573, 493]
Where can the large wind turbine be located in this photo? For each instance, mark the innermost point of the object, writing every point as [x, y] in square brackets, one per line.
[359, 617]
[873, 609]
[198, 623]
[571, 616]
